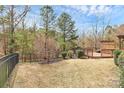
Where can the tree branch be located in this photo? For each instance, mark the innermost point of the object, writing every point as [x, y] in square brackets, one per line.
[21, 16]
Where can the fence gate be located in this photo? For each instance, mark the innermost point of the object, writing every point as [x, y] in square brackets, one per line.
[7, 64]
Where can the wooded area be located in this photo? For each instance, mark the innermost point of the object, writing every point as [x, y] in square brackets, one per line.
[57, 36]
[54, 37]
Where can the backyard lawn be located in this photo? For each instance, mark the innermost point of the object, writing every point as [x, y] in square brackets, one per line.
[68, 73]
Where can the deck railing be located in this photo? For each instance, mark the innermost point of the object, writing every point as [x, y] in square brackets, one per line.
[7, 64]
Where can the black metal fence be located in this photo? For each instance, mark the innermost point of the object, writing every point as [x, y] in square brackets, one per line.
[43, 57]
[7, 64]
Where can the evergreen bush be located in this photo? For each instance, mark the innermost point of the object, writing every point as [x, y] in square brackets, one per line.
[120, 63]
[64, 54]
[80, 53]
[70, 54]
[116, 55]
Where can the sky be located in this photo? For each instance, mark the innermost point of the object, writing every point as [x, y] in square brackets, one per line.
[84, 15]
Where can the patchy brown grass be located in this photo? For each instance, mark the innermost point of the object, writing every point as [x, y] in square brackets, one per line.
[69, 73]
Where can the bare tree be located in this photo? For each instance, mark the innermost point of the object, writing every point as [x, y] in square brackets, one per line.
[99, 27]
[3, 22]
[95, 31]
[105, 21]
[48, 18]
[14, 19]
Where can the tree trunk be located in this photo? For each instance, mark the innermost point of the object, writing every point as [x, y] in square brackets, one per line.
[4, 38]
[64, 42]
[11, 43]
[46, 37]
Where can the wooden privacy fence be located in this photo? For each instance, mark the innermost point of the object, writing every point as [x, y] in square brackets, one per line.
[7, 64]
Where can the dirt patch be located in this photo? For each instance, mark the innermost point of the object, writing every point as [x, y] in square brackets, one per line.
[68, 73]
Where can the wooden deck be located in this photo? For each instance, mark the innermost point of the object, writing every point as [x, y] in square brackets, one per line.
[99, 55]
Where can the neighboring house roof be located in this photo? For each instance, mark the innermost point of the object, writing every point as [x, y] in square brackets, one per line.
[120, 31]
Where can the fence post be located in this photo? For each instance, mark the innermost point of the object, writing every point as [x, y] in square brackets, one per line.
[30, 57]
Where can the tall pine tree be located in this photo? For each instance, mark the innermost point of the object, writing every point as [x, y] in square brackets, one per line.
[67, 27]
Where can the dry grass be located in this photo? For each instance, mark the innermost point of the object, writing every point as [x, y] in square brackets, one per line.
[69, 73]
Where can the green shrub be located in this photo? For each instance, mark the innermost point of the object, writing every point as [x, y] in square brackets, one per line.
[122, 77]
[120, 60]
[70, 54]
[116, 55]
[64, 54]
[80, 53]
[117, 52]
[120, 63]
